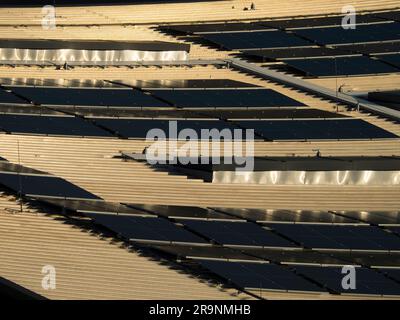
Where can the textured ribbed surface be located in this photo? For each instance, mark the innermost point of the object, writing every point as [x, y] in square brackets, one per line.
[92, 268]
[89, 164]
[87, 267]
[192, 11]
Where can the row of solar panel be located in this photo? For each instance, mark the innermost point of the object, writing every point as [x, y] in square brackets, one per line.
[233, 233]
[269, 39]
[39, 185]
[310, 52]
[240, 234]
[230, 214]
[345, 128]
[258, 276]
[284, 24]
[136, 227]
[210, 98]
[249, 275]
[132, 224]
[344, 66]
[286, 257]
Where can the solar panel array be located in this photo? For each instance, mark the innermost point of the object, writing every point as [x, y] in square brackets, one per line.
[256, 40]
[138, 228]
[228, 98]
[275, 247]
[43, 186]
[50, 125]
[193, 97]
[138, 128]
[309, 39]
[223, 234]
[368, 282]
[87, 97]
[341, 66]
[339, 237]
[260, 276]
[237, 233]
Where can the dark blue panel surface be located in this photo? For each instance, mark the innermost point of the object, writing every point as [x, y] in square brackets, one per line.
[44, 186]
[47, 125]
[339, 237]
[314, 22]
[395, 229]
[7, 97]
[296, 53]
[315, 129]
[88, 97]
[391, 272]
[260, 276]
[237, 233]
[367, 281]
[362, 33]
[341, 66]
[229, 98]
[257, 39]
[138, 128]
[144, 228]
[393, 59]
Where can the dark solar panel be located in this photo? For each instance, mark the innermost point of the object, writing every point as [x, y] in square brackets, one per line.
[260, 98]
[138, 128]
[389, 15]
[237, 233]
[289, 256]
[393, 59]
[315, 129]
[44, 186]
[145, 228]
[88, 97]
[260, 276]
[266, 215]
[362, 33]
[314, 22]
[340, 66]
[392, 273]
[367, 281]
[47, 125]
[338, 237]
[256, 40]
[395, 229]
[296, 53]
[182, 212]
[7, 97]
